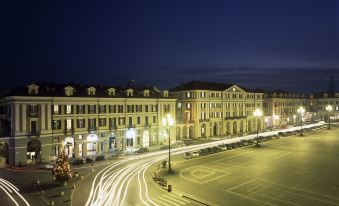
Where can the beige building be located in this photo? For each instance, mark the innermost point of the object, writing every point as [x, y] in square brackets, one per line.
[88, 120]
[207, 109]
[281, 108]
[317, 104]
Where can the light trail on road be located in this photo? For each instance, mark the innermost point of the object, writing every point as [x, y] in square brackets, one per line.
[12, 191]
[111, 185]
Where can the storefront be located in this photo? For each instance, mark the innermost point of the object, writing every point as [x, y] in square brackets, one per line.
[69, 147]
[92, 140]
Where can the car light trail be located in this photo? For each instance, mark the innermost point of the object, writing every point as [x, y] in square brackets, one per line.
[11, 191]
[111, 184]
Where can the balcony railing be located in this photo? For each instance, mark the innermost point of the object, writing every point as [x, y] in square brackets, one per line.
[235, 117]
[69, 131]
[91, 129]
[148, 125]
[33, 114]
[204, 120]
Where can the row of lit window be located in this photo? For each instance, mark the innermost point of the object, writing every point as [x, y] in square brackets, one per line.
[102, 122]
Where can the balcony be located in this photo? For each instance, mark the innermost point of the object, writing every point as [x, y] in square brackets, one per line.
[235, 117]
[204, 120]
[92, 129]
[131, 126]
[148, 125]
[34, 134]
[33, 114]
[69, 131]
[112, 127]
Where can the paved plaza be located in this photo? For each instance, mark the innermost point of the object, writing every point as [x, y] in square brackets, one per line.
[292, 170]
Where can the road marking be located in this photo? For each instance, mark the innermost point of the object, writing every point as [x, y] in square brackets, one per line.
[167, 201]
[160, 202]
[250, 198]
[203, 168]
[174, 199]
[181, 198]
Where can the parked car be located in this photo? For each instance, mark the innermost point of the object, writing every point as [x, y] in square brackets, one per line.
[89, 160]
[216, 149]
[195, 154]
[229, 146]
[78, 162]
[142, 150]
[210, 150]
[203, 152]
[188, 155]
[99, 158]
[48, 166]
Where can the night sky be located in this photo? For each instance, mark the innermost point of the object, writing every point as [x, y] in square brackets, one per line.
[271, 44]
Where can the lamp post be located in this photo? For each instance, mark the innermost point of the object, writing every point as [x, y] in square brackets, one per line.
[301, 111]
[168, 122]
[329, 109]
[257, 113]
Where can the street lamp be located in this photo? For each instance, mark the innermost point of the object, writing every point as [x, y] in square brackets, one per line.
[301, 111]
[168, 122]
[257, 113]
[329, 109]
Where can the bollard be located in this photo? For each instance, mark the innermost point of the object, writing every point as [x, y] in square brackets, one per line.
[52, 203]
[82, 177]
[169, 188]
[62, 193]
[37, 181]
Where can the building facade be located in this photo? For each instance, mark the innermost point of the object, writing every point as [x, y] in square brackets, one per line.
[281, 108]
[317, 104]
[88, 120]
[207, 109]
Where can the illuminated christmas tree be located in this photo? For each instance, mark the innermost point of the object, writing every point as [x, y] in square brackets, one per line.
[62, 169]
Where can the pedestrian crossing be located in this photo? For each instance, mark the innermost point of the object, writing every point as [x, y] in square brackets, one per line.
[169, 199]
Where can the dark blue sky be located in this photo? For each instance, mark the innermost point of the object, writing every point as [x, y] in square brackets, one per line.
[288, 44]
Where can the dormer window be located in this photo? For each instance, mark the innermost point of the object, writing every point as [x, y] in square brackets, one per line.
[33, 89]
[146, 93]
[91, 91]
[129, 92]
[69, 91]
[165, 93]
[111, 92]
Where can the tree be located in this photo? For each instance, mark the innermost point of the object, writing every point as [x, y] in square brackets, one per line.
[62, 168]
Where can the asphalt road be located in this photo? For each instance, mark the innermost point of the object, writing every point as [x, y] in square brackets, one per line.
[294, 170]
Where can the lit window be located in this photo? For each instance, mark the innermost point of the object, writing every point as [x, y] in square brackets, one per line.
[80, 137]
[56, 108]
[179, 105]
[188, 94]
[188, 105]
[69, 123]
[68, 109]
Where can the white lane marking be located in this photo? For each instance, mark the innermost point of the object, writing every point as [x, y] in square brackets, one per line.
[168, 201]
[175, 199]
[181, 198]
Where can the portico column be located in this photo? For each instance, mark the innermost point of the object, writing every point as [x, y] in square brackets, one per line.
[42, 116]
[24, 117]
[17, 117]
[84, 149]
[49, 117]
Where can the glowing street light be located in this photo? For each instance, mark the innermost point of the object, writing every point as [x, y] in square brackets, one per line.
[168, 121]
[301, 111]
[257, 113]
[329, 109]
